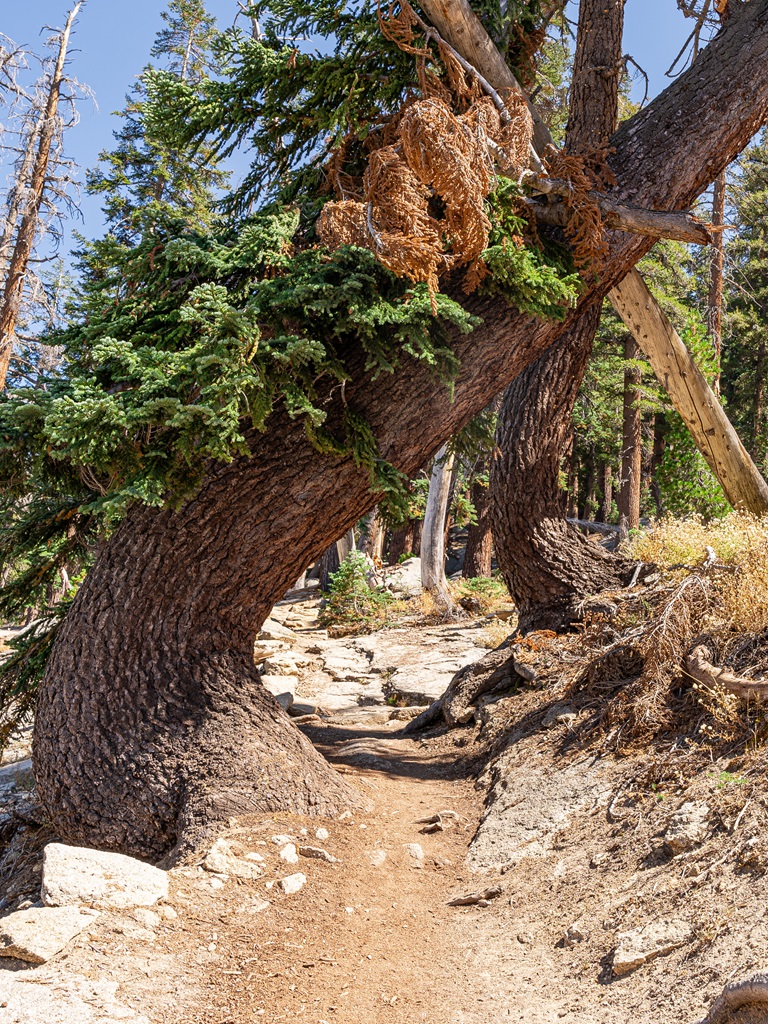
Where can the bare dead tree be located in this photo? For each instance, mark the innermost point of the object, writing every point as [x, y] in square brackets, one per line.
[41, 183]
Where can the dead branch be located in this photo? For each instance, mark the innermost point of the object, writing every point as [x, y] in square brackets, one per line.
[682, 226]
[698, 667]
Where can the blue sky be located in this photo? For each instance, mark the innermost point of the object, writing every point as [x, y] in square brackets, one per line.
[112, 43]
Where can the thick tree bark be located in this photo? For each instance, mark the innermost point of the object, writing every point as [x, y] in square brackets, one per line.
[433, 531]
[329, 563]
[373, 544]
[632, 439]
[479, 551]
[692, 397]
[548, 565]
[151, 718]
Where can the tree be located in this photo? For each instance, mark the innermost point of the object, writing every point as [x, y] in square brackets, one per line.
[152, 725]
[34, 181]
[433, 531]
[547, 564]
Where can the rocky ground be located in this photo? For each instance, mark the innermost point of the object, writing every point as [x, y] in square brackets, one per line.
[591, 888]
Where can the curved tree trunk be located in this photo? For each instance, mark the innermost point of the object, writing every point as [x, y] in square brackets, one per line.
[548, 566]
[151, 720]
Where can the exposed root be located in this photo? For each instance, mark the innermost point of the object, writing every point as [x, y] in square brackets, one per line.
[712, 676]
[752, 993]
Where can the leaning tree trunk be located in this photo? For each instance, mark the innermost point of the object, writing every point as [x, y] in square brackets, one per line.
[692, 397]
[151, 721]
[548, 566]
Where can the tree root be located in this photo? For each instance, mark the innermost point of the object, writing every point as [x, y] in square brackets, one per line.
[750, 992]
[698, 667]
[495, 671]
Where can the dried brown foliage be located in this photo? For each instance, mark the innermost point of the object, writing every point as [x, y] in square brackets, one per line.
[585, 173]
[420, 207]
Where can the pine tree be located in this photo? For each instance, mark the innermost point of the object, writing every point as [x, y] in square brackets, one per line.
[745, 349]
[146, 182]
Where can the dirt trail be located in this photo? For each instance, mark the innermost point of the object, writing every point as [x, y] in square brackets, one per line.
[576, 850]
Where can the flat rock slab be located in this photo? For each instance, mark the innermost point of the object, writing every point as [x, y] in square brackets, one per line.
[527, 806]
[643, 944]
[688, 827]
[40, 933]
[35, 998]
[77, 875]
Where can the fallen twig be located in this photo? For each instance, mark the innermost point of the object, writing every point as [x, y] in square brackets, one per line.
[479, 899]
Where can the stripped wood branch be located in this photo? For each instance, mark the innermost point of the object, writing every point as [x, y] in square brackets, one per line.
[698, 667]
[682, 226]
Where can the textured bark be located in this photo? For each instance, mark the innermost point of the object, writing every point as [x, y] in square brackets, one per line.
[402, 542]
[632, 440]
[548, 565]
[479, 550]
[605, 484]
[373, 544]
[329, 563]
[151, 718]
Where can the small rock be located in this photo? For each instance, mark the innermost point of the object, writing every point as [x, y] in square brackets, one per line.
[289, 854]
[282, 840]
[597, 859]
[640, 945]
[147, 918]
[377, 858]
[317, 853]
[344, 815]
[292, 883]
[577, 932]
[687, 827]
[77, 875]
[167, 913]
[282, 688]
[222, 860]
[300, 708]
[255, 856]
[217, 883]
[322, 834]
[40, 933]
[414, 850]
[256, 907]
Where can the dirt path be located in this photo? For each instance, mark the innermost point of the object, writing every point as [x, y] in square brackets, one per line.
[576, 849]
